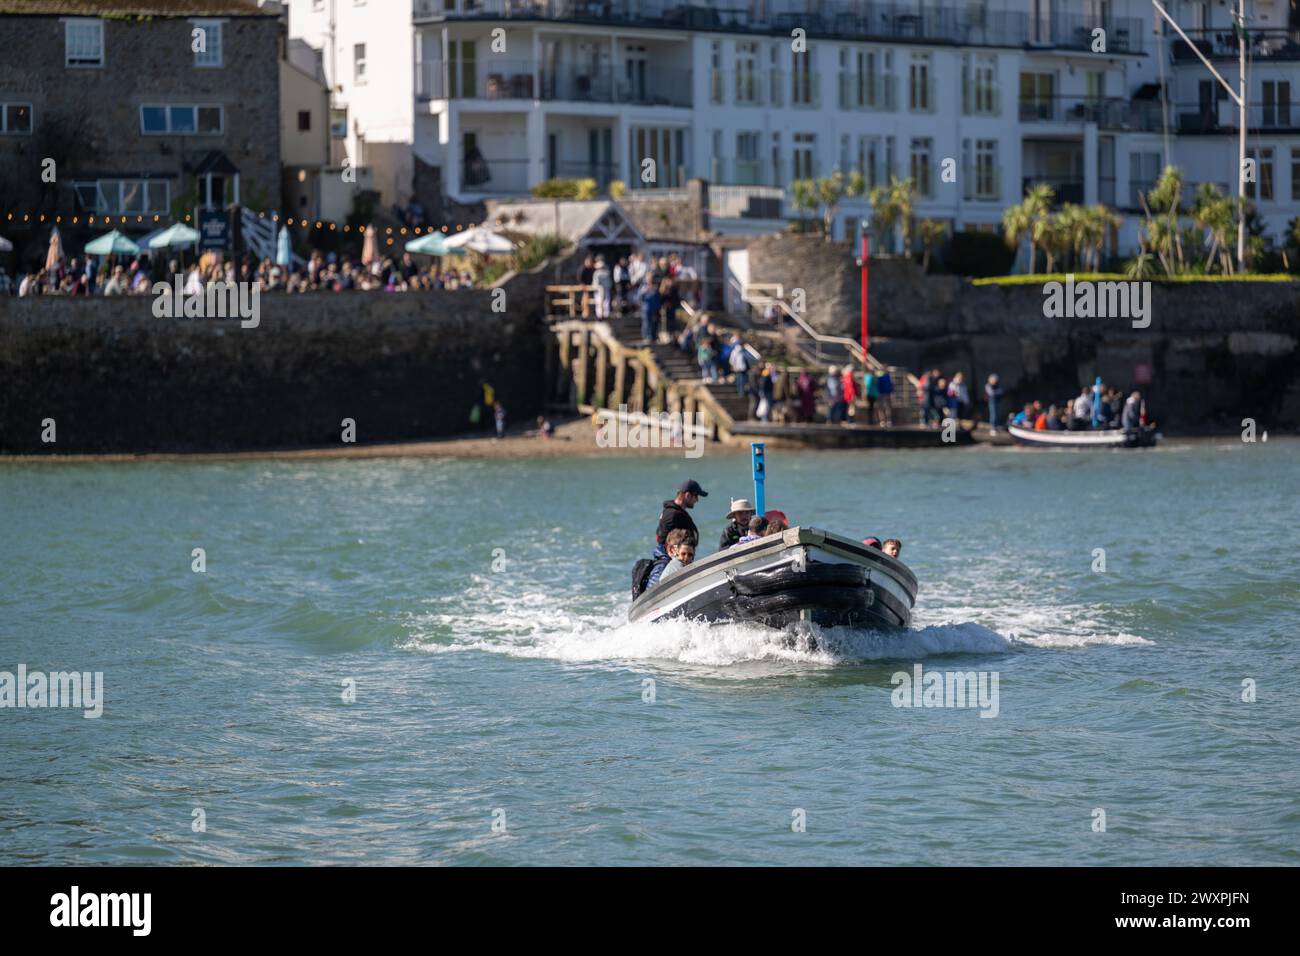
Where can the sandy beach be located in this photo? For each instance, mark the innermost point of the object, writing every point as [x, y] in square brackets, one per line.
[574, 437]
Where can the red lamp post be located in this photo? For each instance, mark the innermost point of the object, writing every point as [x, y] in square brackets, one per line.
[864, 263]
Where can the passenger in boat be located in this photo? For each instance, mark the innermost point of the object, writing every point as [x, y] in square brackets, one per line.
[675, 515]
[872, 543]
[892, 547]
[757, 525]
[1040, 423]
[776, 523]
[1055, 421]
[681, 551]
[742, 509]
[1025, 418]
[1132, 418]
[1081, 420]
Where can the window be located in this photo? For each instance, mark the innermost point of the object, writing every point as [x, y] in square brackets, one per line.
[1037, 95]
[667, 147]
[1295, 174]
[805, 155]
[1143, 170]
[747, 89]
[359, 62]
[922, 151]
[920, 91]
[304, 120]
[83, 42]
[981, 173]
[980, 86]
[1277, 103]
[15, 118]
[802, 79]
[1263, 183]
[748, 172]
[716, 94]
[778, 167]
[208, 42]
[119, 197]
[160, 120]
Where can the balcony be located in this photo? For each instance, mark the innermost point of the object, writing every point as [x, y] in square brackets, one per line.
[833, 19]
[746, 201]
[1067, 189]
[494, 176]
[1222, 116]
[602, 173]
[1110, 113]
[1222, 43]
[658, 87]
[507, 81]
[1074, 32]
[865, 92]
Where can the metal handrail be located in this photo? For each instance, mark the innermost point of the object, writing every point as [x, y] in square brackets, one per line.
[852, 346]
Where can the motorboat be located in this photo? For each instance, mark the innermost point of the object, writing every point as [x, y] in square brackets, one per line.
[1100, 438]
[798, 575]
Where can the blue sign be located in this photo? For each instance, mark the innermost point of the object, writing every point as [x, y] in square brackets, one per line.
[214, 229]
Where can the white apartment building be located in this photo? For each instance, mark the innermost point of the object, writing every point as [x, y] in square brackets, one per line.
[975, 100]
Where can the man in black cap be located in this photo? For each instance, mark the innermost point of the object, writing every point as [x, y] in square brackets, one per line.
[675, 514]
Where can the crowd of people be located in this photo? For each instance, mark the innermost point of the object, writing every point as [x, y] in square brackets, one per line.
[328, 272]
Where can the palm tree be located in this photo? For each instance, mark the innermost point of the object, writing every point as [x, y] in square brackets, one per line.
[931, 232]
[1212, 212]
[1038, 203]
[1162, 201]
[902, 193]
[1015, 226]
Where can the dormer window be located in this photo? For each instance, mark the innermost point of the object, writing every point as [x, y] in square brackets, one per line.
[206, 37]
[83, 42]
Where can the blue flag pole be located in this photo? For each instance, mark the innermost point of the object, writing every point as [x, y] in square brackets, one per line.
[1096, 402]
[756, 457]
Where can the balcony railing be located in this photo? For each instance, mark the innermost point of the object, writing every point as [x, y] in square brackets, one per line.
[1275, 44]
[658, 87]
[982, 186]
[806, 90]
[840, 19]
[743, 201]
[1108, 112]
[1222, 116]
[494, 176]
[921, 96]
[514, 81]
[1075, 32]
[1067, 189]
[859, 91]
[983, 100]
[439, 80]
[602, 173]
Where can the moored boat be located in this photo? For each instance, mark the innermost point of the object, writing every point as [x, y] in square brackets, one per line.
[1101, 438]
[801, 574]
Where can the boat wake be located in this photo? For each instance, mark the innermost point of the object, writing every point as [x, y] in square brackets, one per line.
[535, 625]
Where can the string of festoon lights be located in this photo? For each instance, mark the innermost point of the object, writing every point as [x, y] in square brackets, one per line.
[389, 233]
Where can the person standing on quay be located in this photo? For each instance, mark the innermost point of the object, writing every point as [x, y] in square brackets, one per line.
[993, 392]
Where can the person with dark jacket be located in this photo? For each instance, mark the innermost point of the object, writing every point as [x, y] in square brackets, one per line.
[675, 514]
[737, 523]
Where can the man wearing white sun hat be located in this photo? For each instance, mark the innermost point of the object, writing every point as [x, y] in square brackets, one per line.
[742, 509]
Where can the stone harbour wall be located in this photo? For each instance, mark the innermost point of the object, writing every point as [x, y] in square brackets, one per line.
[402, 365]
[1217, 351]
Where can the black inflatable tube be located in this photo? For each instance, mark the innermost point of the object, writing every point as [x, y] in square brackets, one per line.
[816, 575]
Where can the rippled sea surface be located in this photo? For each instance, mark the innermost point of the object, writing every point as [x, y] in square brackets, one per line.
[502, 710]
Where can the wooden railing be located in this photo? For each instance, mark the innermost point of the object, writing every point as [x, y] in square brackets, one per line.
[573, 301]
